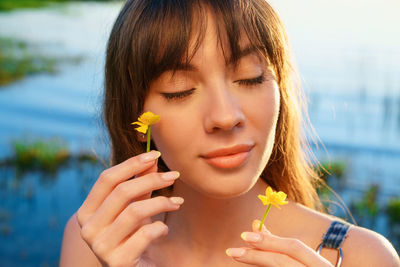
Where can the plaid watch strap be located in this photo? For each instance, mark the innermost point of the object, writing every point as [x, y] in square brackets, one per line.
[335, 235]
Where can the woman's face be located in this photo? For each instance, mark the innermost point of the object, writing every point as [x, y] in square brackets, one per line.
[218, 120]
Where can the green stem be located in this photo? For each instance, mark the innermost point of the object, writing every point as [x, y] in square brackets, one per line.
[148, 139]
[263, 219]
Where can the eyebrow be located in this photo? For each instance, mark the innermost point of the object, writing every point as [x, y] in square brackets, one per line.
[248, 50]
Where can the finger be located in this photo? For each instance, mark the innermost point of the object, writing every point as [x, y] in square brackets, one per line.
[125, 193]
[153, 168]
[130, 219]
[292, 247]
[262, 258]
[133, 248]
[110, 178]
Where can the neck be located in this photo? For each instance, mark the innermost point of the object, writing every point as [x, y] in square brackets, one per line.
[205, 224]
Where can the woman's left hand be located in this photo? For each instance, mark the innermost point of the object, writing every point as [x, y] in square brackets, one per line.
[272, 250]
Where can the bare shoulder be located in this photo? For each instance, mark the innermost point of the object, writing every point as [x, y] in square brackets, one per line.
[368, 248]
[74, 250]
[362, 247]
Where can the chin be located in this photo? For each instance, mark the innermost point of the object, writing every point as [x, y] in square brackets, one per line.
[224, 189]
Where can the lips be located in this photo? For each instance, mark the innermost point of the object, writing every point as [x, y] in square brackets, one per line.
[228, 158]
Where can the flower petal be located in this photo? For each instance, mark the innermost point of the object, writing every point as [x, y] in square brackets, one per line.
[142, 127]
[274, 198]
[263, 199]
[276, 205]
[268, 191]
[281, 195]
[149, 118]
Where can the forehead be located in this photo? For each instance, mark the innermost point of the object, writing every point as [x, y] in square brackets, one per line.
[174, 47]
[211, 33]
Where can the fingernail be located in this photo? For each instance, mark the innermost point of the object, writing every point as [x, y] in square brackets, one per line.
[177, 200]
[170, 176]
[235, 252]
[251, 237]
[149, 156]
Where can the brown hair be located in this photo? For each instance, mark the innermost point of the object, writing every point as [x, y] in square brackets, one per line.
[150, 36]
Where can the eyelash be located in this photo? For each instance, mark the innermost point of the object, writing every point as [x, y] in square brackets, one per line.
[254, 81]
[180, 95]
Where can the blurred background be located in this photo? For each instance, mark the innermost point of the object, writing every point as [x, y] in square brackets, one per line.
[53, 145]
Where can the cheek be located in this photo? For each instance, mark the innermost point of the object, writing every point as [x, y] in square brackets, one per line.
[266, 126]
[172, 136]
[264, 110]
[272, 107]
[165, 134]
[274, 103]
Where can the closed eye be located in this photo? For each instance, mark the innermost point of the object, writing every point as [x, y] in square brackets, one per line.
[253, 81]
[178, 95]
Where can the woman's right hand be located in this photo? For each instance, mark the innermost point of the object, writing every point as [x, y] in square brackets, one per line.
[115, 218]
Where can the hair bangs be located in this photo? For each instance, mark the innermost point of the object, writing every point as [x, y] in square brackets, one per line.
[165, 31]
[170, 32]
[256, 22]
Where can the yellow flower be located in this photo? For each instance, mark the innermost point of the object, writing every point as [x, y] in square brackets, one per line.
[274, 198]
[145, 120]
[271, 198]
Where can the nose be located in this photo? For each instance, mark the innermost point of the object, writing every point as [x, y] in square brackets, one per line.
[223, 111]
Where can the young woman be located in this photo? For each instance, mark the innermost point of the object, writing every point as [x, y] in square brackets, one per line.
[219, 75]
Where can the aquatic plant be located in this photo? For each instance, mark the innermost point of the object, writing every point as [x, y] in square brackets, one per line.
[44, 155]
[16, 61]
[19, 59]
[334, 174]
[86, 157]
[366, 209]
[393, 210]
[8, 5]
[336, 168]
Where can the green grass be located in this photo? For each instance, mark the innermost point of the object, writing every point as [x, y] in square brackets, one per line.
[19, 59]
[366, 209]
[45, 155]
[9, 5]
[393, 210]
[336, 168]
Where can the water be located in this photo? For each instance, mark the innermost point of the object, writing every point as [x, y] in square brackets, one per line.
[349, 65]
[67, 104]
[35, 208]
[348, 55]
